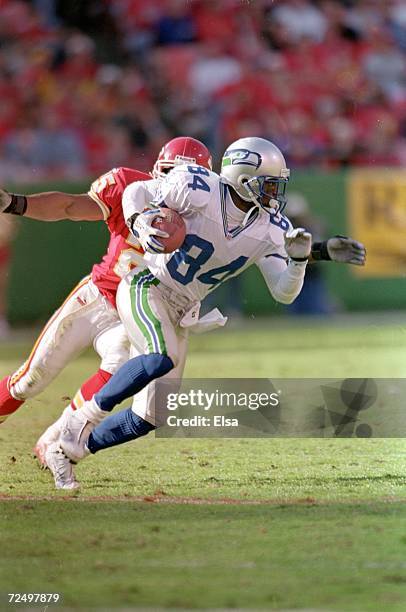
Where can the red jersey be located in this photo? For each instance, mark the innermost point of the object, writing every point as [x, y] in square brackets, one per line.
[124, 252]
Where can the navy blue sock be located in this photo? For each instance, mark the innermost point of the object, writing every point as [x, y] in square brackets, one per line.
[116, 429]
[131, 378]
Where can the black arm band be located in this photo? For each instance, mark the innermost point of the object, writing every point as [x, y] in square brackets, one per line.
[299, 259]
[320, 252]
[18, 205]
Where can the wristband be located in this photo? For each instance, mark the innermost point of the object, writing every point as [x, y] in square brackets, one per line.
[299, 259]
[320, 252]
[18, 205]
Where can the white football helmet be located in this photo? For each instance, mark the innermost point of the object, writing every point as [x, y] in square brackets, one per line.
[256, 169]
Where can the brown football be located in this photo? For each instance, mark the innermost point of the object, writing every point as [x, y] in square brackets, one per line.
[171, 222]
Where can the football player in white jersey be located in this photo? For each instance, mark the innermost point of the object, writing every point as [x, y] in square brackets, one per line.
[232, 221]
[88, 315]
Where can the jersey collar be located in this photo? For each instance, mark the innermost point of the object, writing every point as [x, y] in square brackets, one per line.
[231, 233]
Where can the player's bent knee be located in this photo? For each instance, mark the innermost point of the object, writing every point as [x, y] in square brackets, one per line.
[131, 378]
[157, 365]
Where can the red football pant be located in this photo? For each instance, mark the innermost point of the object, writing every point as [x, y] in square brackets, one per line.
[8, 404]
[90, 387]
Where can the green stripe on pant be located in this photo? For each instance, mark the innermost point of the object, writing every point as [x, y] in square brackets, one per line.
[144, 317]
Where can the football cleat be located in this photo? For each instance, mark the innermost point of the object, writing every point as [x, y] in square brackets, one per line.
[39, 451]
[50, 435]
[61, 468]
[74, 436]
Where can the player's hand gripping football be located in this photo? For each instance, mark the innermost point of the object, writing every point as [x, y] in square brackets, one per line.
[346, 250]
[298, 243]
[147, 235]
[5, 200]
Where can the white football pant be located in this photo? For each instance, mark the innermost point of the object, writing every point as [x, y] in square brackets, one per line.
[151, 314]
[85, 318]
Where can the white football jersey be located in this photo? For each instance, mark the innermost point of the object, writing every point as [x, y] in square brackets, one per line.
[212, 251]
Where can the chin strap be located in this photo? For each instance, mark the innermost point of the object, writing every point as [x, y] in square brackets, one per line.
[248, 214]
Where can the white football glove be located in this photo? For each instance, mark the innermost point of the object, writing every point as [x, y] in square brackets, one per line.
[298, 243]
[5, 200]
[141, 228]
[346, 250]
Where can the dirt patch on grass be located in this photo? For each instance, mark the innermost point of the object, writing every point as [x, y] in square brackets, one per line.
[194, 501]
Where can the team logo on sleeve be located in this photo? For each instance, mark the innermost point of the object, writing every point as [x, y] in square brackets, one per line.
[235, 157]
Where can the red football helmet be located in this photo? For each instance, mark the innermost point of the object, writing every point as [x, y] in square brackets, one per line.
[182, 150]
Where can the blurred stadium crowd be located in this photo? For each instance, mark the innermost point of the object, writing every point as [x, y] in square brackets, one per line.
[85, 86]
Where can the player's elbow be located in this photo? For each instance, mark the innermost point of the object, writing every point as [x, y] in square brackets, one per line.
[284, 298]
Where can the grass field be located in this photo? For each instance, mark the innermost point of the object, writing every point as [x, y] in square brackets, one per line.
[253, 523]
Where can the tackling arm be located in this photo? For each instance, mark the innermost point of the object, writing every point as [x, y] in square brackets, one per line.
[51, 206]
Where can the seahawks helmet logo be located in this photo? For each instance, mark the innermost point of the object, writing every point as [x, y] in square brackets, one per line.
[235, 157]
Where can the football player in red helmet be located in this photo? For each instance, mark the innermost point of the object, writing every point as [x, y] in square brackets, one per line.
[182, 150]
[91, 307]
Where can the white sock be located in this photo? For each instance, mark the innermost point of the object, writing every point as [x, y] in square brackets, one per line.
[92, 412]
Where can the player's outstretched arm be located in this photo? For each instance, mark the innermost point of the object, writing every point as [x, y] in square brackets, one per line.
[285, 278]
[51, 206]
[341, 249]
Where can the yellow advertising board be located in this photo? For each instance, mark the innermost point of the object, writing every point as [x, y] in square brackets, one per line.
[376, 201]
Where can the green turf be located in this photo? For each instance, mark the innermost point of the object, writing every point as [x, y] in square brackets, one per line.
[330, 533]
[351, 558]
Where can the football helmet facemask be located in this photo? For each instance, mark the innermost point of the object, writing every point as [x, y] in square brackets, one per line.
[182, 150]
[256, 169]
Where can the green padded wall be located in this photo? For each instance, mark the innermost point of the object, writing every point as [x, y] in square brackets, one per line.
[49, 258]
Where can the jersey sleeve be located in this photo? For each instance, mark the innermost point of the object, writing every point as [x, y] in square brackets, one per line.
[139, 196]
[184, 190]
[107, 191]
[276, 241]
[284, 281]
